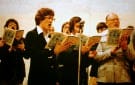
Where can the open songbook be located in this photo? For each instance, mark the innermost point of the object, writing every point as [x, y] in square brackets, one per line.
[113, 36]
[93, 41]
[84, 39]
[9, 35]
[56, 37]
[126, 31]
[74, 40]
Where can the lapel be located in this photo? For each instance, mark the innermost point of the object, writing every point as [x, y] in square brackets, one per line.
[40, 39]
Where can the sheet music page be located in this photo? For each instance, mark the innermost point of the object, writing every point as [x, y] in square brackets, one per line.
[8, 36]
[55, 38]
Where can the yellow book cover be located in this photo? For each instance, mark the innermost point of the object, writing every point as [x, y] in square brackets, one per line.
[56, 37]
[113, 36]
[9, 35]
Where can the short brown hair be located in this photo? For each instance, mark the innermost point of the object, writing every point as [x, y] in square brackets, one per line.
[41, 13]
[101, 25]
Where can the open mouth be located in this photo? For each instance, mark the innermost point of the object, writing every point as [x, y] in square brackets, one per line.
[50, 25]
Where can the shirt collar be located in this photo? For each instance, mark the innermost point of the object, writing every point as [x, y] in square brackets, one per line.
[39, 30]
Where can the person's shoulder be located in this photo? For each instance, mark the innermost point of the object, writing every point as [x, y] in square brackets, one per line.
[33, 31]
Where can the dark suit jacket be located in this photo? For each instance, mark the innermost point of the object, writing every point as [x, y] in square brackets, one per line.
[17, 60]
[68, 68]
[39, 73]
[5, 67]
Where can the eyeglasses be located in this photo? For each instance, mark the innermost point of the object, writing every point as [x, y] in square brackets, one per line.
[113, 19]
[50, 18]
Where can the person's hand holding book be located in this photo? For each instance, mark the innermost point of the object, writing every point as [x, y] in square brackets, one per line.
[1, 42]
[21, 46]
[85, 49]
[61, 47]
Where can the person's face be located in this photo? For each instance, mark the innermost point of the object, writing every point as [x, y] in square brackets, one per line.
[101, 30]
[47, 23]
[12, 25]
[66, 29]
[113, 21]
[77, 27]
